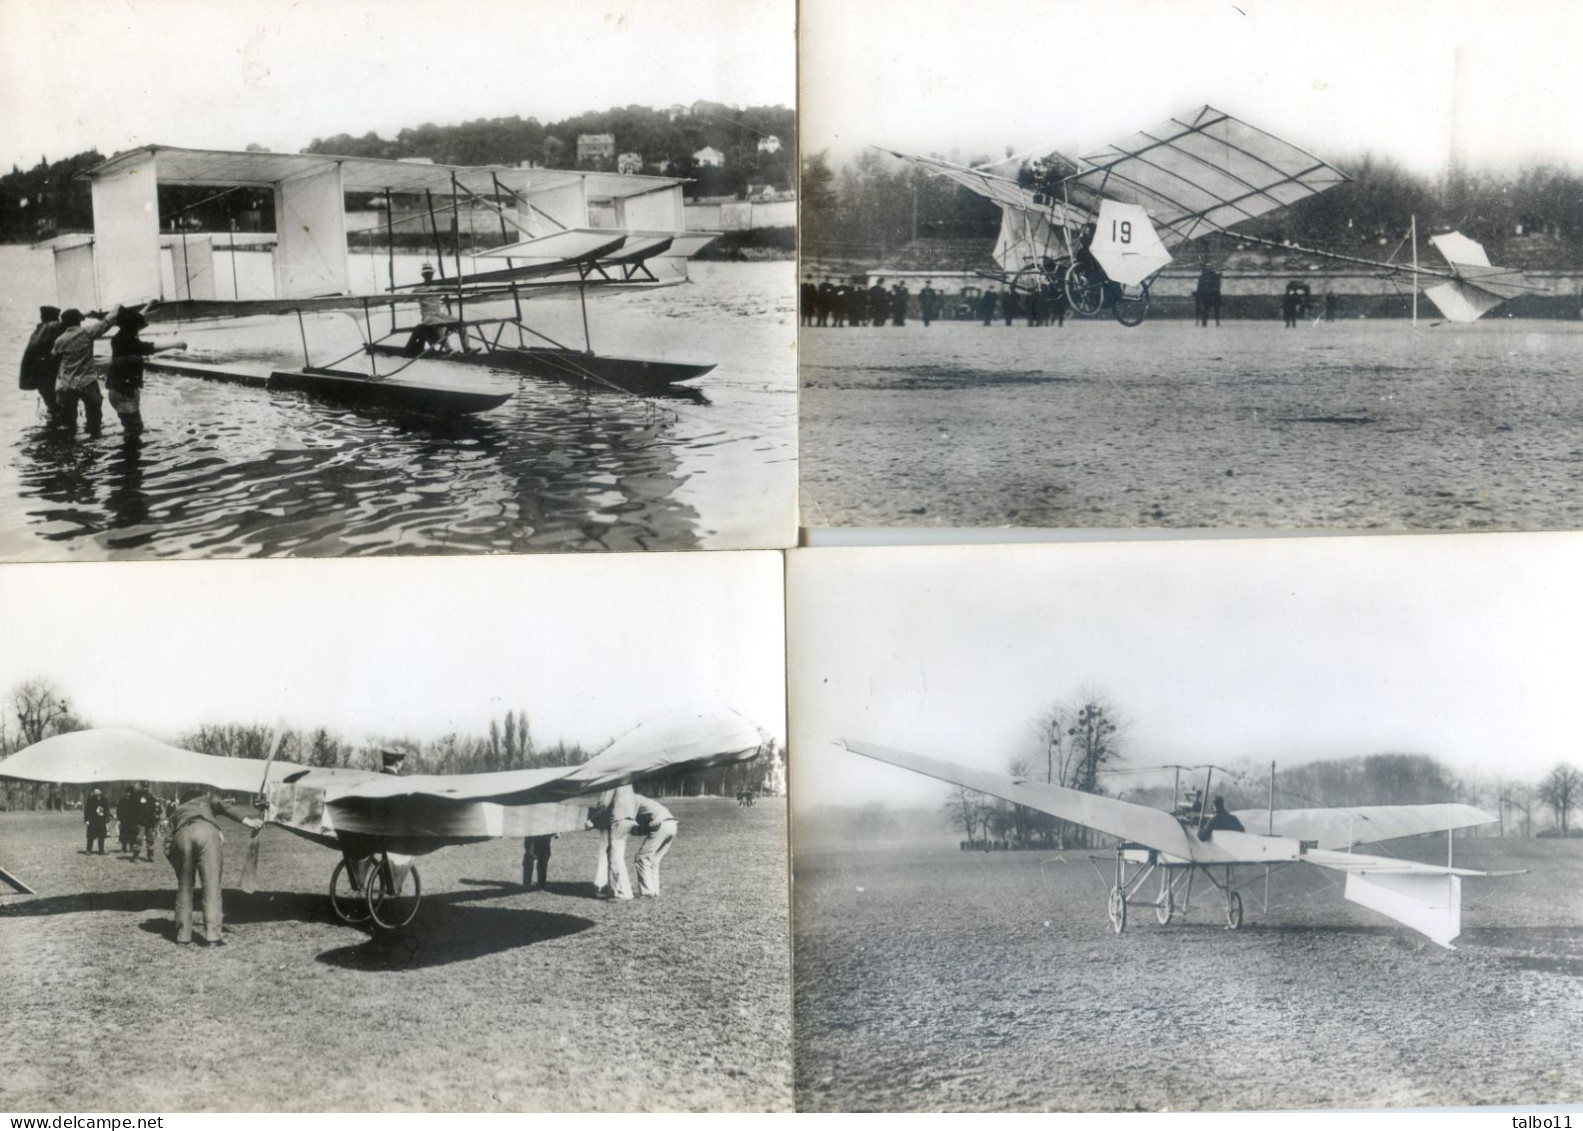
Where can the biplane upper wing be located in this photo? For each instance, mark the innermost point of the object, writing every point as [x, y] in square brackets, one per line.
[1203, 172]
[108, 754]
[1138, 823]
[1362, 824]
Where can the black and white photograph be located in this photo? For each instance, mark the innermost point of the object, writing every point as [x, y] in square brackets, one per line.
[361, 278]
[1285, 266]
[521, 847]
[1212, 826]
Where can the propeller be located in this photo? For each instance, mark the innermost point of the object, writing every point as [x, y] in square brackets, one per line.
[249, 882]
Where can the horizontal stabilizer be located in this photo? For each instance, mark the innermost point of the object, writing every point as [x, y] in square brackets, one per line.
[1462, 302]
[1363, 824]
[1429, 903]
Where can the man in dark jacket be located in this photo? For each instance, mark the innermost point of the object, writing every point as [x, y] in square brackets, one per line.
[39, 365]
[878, 304]
[126, 819]
[124, 382]
[196, 849]
[929, 302]
[1220, 819]
[96, 816]
[986, 306]
[145, 818]
[899, 297]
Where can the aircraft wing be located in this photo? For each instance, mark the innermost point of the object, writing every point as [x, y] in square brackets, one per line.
[1362, 824]
[108, 754]
[1004, 191]
[1203, 172]
[692, 741]
[1140, 824]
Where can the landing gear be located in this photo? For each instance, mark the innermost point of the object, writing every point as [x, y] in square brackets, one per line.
[1085, 287]
[346, 891]
[392, 890]
[1130, 305]
[1118, 910]
[1165, 906]
[1233, 910]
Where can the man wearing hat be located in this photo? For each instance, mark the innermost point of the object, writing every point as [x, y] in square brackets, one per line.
[124, 383]
[96, 815]
[78, 378]
[38, 365]
[390, 760]
[434, 320]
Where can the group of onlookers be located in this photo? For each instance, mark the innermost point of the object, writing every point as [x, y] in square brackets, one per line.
[137, 815]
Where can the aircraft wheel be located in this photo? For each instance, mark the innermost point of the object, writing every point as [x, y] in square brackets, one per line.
[1130, 305]
[1164, 908]
[1118, 910]
[1085, 288]
[1233, 910]
[1035, 280]
[346, 898]
[391, 894]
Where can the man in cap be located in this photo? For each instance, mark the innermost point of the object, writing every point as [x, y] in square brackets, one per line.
[126, 819]
[434, 321]
[391, 759]
[38, 364]
[1219, 819]
[78, 378]
[124, 383]
[145, 818]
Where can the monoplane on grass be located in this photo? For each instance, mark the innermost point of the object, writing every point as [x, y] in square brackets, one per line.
[379, 822]
[561, 232]
[1177, 846]
[1098, 231]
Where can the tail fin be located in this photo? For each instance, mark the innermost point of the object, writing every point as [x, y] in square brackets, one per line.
[1429, 903]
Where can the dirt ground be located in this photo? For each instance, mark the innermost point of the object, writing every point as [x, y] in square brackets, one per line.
[1346, 425]
[932, 979]
[494, 998]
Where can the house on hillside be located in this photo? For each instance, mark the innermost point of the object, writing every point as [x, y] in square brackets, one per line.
[629, 163]
[770, 144]
[595, 147]
[710, 156]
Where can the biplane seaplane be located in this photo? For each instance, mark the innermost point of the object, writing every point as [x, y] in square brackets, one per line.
[1174, 847]
[549, 244]
[380, 822]
[1097, 232]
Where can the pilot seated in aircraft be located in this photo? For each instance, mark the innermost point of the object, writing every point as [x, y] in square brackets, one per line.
[434, 321]
[1220, 819]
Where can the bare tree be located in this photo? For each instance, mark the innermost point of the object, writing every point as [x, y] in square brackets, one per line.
[966, 809]
[1562, 789]
[42, 709]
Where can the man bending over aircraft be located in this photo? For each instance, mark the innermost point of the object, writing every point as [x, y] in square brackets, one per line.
[659, 833]
[1220, 819]
[195, 849]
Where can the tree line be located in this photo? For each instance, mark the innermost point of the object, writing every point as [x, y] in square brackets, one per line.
[1083, 743]
[53, 196]
[37, 709]
[1528, 217]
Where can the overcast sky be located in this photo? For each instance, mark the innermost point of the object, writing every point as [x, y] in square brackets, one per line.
[1338, 78]
[1468, 648]
[588, 645]
[113, 74]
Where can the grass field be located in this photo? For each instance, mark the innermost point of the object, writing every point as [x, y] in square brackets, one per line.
[494, 998]
[929, 979]
[1349, 425]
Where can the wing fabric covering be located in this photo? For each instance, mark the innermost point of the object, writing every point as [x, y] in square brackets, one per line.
[1138, 823]
[1363, 824]
[109, 754]
[1203, 172]
[693, 741]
